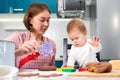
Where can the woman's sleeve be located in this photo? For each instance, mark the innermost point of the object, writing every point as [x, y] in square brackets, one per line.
[54, 52]
[54, 48]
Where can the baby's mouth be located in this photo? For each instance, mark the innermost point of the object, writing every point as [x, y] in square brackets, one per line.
[77, 45]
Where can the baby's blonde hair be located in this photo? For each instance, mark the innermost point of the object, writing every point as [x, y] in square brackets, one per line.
[76, 23]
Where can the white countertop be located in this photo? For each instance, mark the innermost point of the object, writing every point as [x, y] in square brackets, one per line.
[64, 77]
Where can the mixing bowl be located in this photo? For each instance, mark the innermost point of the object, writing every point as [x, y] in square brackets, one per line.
[7, 72]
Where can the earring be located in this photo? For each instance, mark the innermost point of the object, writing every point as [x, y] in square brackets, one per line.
[30, 25]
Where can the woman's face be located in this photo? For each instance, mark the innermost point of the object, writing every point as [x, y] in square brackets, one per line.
[78, 39]
[40, 22]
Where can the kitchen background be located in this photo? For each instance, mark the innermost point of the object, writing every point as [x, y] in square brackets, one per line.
[101, 18]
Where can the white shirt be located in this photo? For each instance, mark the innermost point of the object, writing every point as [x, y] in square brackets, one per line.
[83, 55]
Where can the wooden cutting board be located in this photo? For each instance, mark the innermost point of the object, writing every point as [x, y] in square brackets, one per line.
[113, 73]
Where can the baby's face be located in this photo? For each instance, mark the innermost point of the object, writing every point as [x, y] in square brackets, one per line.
[78, 39]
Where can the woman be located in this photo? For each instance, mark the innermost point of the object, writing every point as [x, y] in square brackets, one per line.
[32, 49]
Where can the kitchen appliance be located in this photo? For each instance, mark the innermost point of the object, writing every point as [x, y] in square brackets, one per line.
[73, 8]
[70, 8]
[7, 55]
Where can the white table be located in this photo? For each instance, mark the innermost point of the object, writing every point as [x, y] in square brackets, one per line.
[64, 77]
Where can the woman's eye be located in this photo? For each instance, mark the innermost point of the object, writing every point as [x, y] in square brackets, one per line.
[48, 20]
[41, 20]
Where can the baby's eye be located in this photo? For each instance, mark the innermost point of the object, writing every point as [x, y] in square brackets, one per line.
[72, 39]
[76, 38]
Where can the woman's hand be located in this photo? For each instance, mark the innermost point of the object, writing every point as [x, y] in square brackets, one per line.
[27, 47]
[94, 41]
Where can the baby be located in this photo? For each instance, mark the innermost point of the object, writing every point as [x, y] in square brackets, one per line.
[82, 50]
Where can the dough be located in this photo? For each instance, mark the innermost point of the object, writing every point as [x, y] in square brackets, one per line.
[99, 67]
[47, 68]
[27, 74]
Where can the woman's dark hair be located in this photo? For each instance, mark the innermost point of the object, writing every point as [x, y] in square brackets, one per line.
[33, 10]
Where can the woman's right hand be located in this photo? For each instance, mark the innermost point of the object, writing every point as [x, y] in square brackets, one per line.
[27, 47]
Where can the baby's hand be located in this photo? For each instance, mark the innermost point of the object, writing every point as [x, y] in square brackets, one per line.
[64, 65]
[94, 41]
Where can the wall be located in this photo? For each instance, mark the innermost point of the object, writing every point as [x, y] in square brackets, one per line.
[57, 29]
[108, 27]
